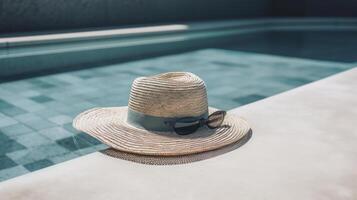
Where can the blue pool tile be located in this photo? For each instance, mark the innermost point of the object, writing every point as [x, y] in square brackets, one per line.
[100, 147]
[38, 165]
[229, 64]
[95, 73]
[87, 76]
[32, 139]
[12, 172]
[104, 101]
[55, 133]
[85, 151]
[294, 81]
[69, 127]
[34, 121]
[33, 154]
[46, 113]
[22, 156]
[17, 86]
[61, 119]
[7, 146]
[68, 78]
[52, 80]
[5, 105]
[59, 107]
[80, 89]
[88, 138]
[6, 162]
[63, 98]
[13, 111]
[28, 104]
[249, 98]
[39, 124]
[40, 84]
[73, 113]
[83, 105]
[63, 157]
[73, 143]
[89, 95]
[4, 137]
[41, 99]
[30, 93]
[6, 121]
[16, 129]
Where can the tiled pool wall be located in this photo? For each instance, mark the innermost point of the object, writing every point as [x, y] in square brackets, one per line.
[22, 56]
[20, 16]
[62, 14]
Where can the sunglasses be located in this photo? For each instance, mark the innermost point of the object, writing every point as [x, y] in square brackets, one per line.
[184, 126]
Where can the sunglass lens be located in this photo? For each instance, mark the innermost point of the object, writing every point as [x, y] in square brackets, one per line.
[185, 128]
[215, 120]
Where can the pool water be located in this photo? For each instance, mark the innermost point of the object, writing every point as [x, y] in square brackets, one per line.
[36, 113]
[328, 45]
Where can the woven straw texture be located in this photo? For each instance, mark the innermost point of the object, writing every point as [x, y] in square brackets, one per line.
[173, 94]
[109, 126]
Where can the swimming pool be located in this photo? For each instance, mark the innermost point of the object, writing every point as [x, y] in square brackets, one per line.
[36, 113]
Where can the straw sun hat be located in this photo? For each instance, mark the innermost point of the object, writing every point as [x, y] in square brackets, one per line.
[136, 132]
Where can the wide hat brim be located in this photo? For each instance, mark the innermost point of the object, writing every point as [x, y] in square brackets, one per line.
[110, 126]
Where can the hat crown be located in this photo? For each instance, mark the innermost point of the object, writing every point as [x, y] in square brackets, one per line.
[172, 94]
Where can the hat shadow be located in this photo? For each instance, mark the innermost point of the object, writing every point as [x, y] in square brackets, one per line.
[181, 159]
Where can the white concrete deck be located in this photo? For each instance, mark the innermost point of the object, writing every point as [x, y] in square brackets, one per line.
[303, 147]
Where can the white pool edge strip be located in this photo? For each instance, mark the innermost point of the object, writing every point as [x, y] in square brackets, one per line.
[229, 24]
[101, 33]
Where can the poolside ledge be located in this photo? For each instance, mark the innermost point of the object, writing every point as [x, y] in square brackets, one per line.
[303, 147]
